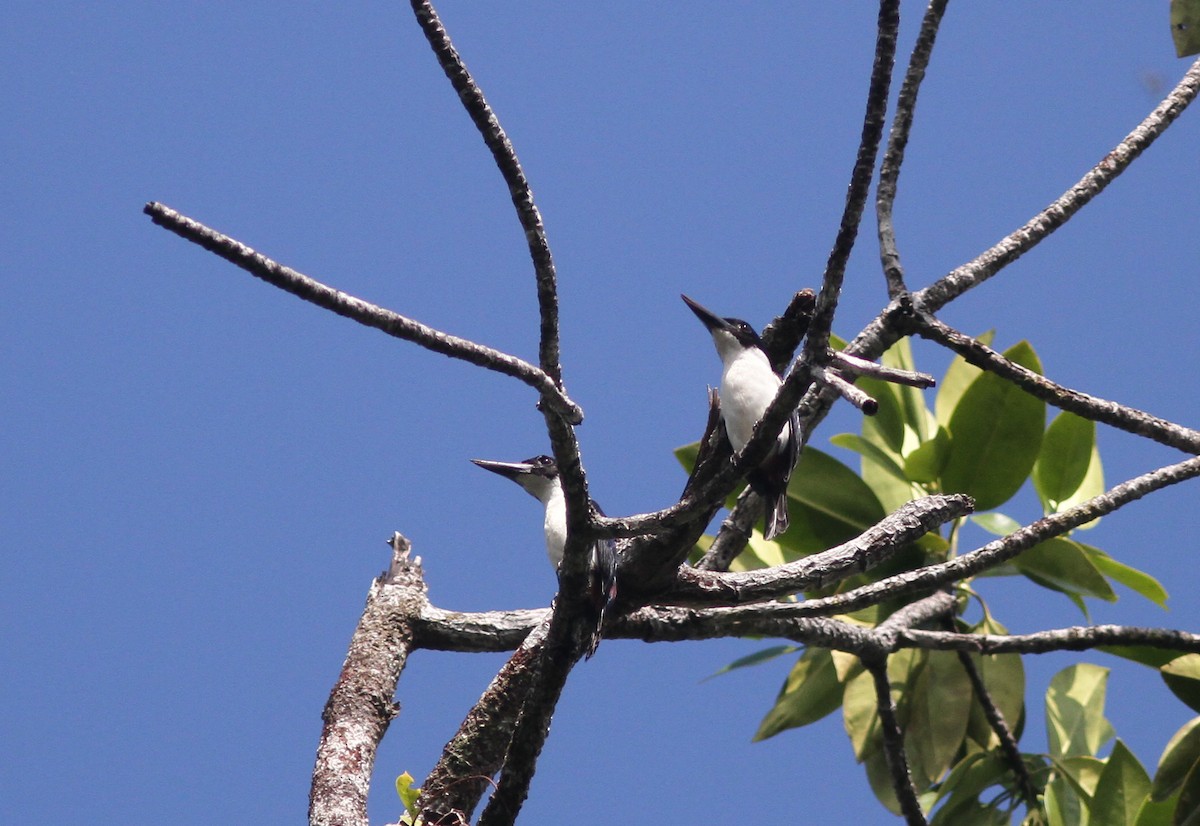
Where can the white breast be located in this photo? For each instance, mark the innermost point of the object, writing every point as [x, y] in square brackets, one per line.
[555, 525]
[748, 386]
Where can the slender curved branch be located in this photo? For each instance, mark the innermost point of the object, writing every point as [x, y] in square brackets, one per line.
[1009, 249]
[860, 180]
[505, 156]
[1111, 413]
[1079, 638]
[893, 157]
[365, 313]
[1004, 549]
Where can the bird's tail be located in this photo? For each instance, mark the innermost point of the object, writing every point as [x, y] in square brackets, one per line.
[777, 515]
[603, 586]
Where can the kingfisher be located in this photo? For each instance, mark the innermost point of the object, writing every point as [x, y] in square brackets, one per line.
[748, 386]
[539, 477]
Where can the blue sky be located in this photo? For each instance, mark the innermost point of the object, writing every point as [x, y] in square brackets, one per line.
[199, 471]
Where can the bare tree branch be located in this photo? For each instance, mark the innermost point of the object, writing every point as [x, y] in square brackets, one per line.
[859, 398]
[1012, 247]
[875, 545]
[783, 335]
[437, 629]
[1111, 413]
[562, 650]
[861, 367]
[1004, 549]
[476, 751]
[1079, 638]
[505, 156]
[361, 707]
[817, 342]
[893, 158]
[363, 312]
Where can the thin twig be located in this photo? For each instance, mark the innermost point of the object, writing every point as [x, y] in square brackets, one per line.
[856, 396]
[1008, 741]
[505, 156]
[1008, 249]
[363, 312]
[861, 367]
[893, 158]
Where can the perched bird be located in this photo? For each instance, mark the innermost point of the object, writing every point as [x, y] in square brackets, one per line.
[539, 477]
[748, 386]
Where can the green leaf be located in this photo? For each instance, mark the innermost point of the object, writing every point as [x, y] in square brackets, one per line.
[1185, 27]
[912, 399]
[879, 776]
[1004, 677]
[1154, 658]
[886, 427]
[1092, 486]
[812, 691]
[686, 454]
[891, 492]
[408, 793]
[1070, 789]
[1187, 811]
[1065, 456]
[1182, 676]
[958, 378]
[1137, 581]
[757, 658]
[975, 773]
[871, 452]
[1062, 565]
[858, 715]
[1156, 813]
[1123, 788]
[996, 433]
[1075, 722]
[925, 464]
[826, 485]
[1180, 756]
[996, 523]
[938, 704]
[1082, 773]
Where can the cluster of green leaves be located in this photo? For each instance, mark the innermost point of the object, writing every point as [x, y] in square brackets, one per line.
[1075, 787]
[985, 437]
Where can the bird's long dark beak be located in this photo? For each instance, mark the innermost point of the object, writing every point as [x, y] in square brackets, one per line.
[509, 470]
[711, 320]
